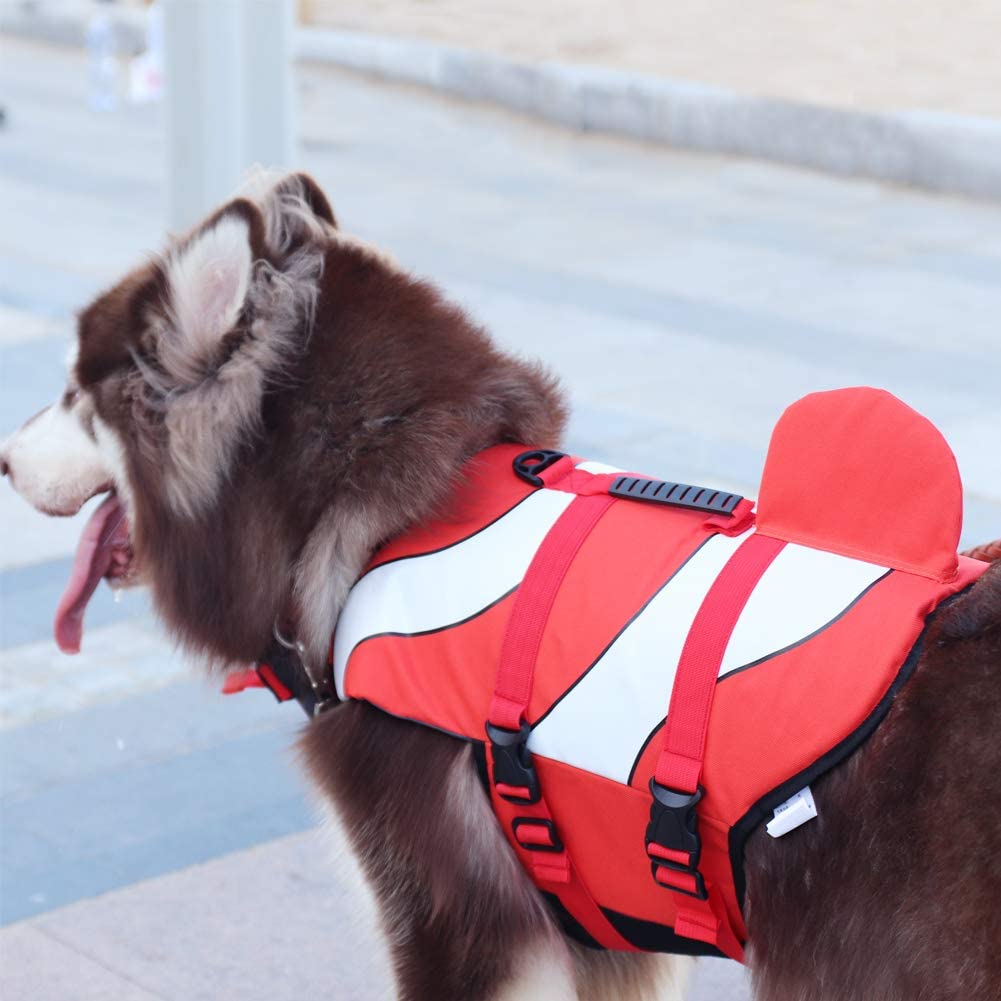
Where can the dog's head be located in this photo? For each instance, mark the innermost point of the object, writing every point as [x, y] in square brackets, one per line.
[263, 403]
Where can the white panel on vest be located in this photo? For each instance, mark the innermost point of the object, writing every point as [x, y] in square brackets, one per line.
[423, 593]
[601, 723]
[590, 466]
[802, 591]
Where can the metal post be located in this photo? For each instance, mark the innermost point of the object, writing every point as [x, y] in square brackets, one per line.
[269, 91]
[228, 97]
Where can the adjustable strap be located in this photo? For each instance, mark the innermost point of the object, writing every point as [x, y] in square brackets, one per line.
[672, 839]
[532, 606]
[680, 763]
[514, 785]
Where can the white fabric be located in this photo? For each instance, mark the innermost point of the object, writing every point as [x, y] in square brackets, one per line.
[439, 589]
[597, 467]
[800, 592]
[601, 723]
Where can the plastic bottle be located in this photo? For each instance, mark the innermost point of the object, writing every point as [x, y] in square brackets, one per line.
[104, 75]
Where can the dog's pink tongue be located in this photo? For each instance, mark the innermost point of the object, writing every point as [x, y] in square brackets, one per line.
[105, 529]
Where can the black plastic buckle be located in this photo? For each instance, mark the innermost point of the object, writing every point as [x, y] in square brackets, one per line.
[528, 465]
[675, 494]
[674, 825]
[513, 762]
[555, 845]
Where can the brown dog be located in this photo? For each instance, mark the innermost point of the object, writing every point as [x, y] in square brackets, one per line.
[269, 401]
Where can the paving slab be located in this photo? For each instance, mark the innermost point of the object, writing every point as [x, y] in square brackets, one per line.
[137, 786]
[280, 921]
[36, 965]
[284, 920]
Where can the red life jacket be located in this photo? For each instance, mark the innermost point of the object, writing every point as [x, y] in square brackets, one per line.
[568, 606]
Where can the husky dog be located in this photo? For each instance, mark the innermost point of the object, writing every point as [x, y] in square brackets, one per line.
[270, 400]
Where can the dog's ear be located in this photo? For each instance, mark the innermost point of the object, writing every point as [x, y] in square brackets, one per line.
[208, 280]
[212, 371]
[302, 186]
[239, 304]
[296, 214]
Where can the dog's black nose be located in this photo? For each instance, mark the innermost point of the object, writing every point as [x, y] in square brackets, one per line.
[4, 468]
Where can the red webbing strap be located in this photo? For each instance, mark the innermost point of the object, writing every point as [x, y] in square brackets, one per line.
[679, 766]
[532, 606]
[553, 870]
[680, 763]
[702, 921]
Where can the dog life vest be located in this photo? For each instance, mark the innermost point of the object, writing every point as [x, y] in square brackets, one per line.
[647, 670]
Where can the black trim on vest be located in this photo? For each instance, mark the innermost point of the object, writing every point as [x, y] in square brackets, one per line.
[652, 937]
[480, 761]
[648, 936]
[764, 807]
[570, 925]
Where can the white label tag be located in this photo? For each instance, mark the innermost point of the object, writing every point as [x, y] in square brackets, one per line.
[795, 811]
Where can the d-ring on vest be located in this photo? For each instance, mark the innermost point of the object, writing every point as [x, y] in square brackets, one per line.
[650, 669]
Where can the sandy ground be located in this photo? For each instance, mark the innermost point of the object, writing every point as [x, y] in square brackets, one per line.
[895, 54]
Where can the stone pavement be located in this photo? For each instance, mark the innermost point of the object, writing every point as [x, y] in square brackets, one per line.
[151, 832]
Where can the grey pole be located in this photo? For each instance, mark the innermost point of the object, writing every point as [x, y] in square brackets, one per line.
[228, 98]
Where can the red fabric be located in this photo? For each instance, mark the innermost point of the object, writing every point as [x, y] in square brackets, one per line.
[555, 871]
[240, 681]
[563, 476]
[683, 881]
[887, 490]
[269, 677]
[682, 858]
[532, 606]
[533, 833]
[701, 921]
[519, 792]
[680, 763]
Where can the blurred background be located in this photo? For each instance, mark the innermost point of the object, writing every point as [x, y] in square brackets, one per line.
[695, 212]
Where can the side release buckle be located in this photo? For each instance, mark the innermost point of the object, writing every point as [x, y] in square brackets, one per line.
[673, 844]
[515, 778]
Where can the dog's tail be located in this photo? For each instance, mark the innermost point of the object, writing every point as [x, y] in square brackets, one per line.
[989, 552]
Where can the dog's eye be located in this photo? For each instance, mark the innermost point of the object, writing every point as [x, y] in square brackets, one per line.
[70, 397]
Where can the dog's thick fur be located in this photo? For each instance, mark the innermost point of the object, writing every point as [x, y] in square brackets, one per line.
[271, 399]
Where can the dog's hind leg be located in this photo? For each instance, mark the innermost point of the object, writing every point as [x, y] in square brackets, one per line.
[630, 976]
[464, 921]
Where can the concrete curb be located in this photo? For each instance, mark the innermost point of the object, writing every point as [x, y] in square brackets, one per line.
[941, 152]
[932, 150]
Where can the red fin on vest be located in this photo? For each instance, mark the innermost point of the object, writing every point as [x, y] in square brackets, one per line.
[859, 473]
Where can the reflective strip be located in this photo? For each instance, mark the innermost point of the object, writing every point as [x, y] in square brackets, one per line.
[420, 594]
[601, 723]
